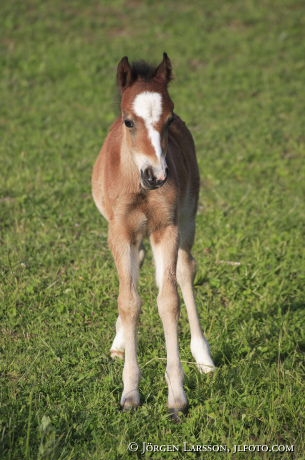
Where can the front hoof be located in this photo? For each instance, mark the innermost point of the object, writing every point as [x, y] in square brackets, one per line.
[178, 405]
[176, 414]
[132, 401]
[117, 354]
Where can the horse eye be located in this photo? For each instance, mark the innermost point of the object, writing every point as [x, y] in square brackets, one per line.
[129, 123]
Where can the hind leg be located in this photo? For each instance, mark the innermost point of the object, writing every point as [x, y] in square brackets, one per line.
[117, 349]
[186, 270]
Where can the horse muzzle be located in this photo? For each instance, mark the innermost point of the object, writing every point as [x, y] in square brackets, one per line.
[150, 181]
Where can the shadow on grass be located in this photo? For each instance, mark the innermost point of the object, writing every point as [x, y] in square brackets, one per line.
[293, 306]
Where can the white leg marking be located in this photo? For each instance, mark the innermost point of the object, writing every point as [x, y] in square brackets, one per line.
[201, 351]
[118, 345]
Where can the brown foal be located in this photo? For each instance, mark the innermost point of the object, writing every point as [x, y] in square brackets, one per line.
[146, 183]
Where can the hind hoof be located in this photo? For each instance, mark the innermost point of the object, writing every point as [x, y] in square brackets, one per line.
[206, 368]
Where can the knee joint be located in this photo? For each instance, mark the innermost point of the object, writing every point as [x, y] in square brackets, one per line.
[129, 307]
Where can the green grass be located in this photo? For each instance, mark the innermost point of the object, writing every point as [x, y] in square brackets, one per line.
[240, 79]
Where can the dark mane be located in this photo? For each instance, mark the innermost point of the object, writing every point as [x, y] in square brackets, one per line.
[143, 71]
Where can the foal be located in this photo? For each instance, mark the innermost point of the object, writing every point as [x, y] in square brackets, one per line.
[146, 183]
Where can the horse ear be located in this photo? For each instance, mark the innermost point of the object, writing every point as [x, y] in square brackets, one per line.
[164, 70]
[124, 73]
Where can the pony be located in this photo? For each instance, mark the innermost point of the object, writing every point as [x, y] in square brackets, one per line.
[145, 182]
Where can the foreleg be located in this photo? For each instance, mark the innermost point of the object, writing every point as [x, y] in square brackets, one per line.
[126, 258]
[165, 247]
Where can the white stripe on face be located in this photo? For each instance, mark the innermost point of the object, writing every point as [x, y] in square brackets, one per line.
[148, 105]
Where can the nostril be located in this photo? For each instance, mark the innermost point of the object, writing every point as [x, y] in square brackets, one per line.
[149, 175]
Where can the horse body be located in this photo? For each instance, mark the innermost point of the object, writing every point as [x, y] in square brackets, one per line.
[146, 183]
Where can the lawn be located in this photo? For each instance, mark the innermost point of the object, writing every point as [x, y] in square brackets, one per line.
[240, 85]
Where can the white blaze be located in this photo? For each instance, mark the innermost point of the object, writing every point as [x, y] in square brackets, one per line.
[148, 105]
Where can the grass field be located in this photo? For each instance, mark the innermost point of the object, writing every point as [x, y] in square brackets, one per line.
[240, 86]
